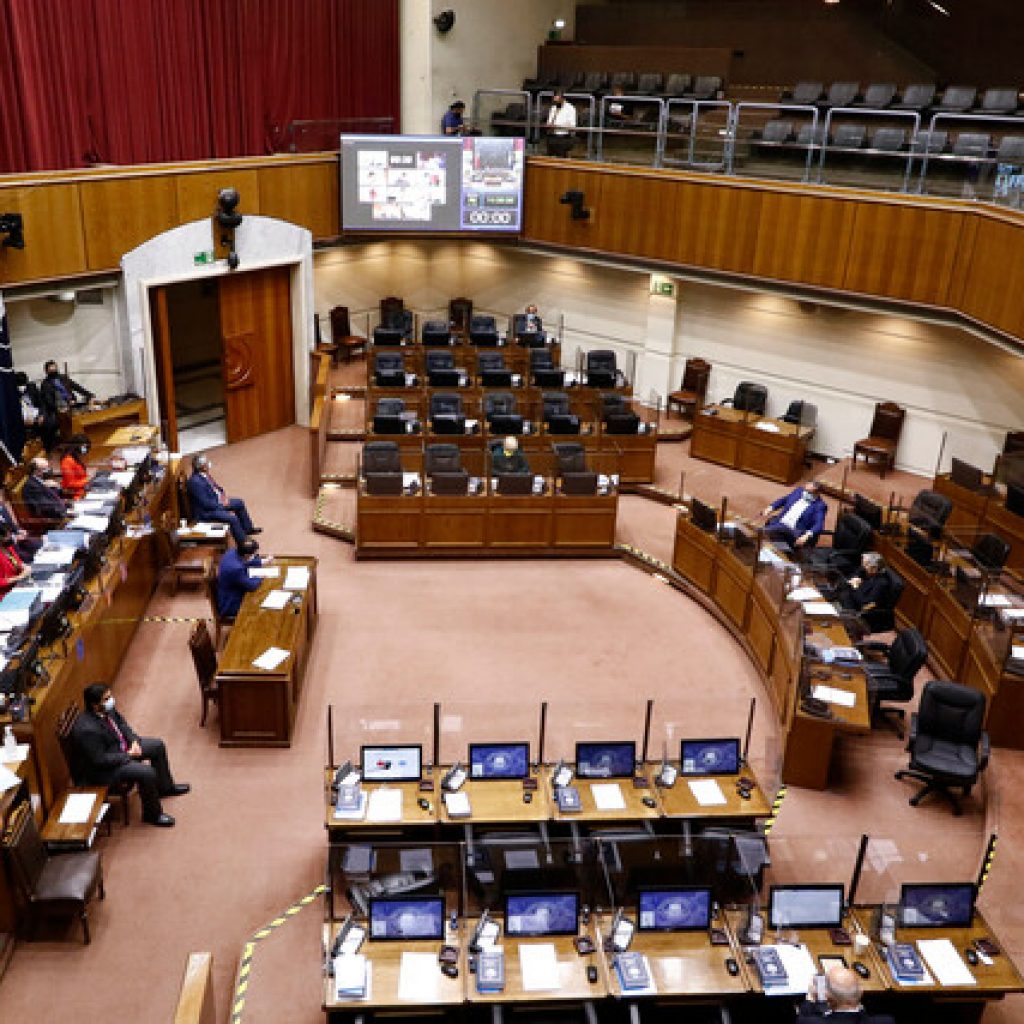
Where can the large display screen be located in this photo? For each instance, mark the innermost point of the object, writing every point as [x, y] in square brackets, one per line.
[431, 183]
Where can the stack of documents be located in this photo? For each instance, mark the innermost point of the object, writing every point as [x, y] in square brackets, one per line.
[707, 792]
[538, 967]
[271, 658]
[77, 808]
[385, 805]
[490, 970]
[945, 962]
[91, 523]
[276, 600]
[351, 976]
[834, 696]
[608, 796]
[457, 805]
[820, 608]
[296, 577]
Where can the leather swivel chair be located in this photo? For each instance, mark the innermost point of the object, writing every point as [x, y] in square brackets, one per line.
[801, 414]
[389, 370]
[446, 416]
[441, 369]
[500, 413]
[557, 415]
[990, 551]
[493, 371]
[543, 370]
[891, 669]
[436, 333]
[929, 512]
[948, 747]
[381, 457]
[443, 465]
[749, 397]
[850, 540]
[618, 416]
[388, 418]
[601, 369]
[483, 330]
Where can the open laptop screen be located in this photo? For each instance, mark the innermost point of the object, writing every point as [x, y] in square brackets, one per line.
[499, 760]
[391, 764]
[806, 906]
[407, 917]
[683, 909]
[710, 757]
[605, 760]
[542, 913]
[929, 905]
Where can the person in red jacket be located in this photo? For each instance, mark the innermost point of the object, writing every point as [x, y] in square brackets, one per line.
[74, 476]
[12, 568]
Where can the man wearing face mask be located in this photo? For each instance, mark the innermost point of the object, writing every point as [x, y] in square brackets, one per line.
[233, 579]
[110, 752]
[41, 493]
[210, 503]
[58, 394]
[561, 122]
[798, 518]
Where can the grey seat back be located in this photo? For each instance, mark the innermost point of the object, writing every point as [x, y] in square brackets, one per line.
[444, 403]
[390, 406]
[556, 403]
[381, 457]
[442, 458]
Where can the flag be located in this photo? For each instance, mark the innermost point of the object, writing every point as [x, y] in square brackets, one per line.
[12, 426]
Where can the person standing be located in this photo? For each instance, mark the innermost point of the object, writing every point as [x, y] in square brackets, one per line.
[560, 124]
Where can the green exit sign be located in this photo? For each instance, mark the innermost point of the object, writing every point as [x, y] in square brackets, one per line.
[667, 288]
[203, 259]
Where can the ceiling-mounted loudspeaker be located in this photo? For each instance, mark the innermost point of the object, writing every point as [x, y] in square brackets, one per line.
[445, 21]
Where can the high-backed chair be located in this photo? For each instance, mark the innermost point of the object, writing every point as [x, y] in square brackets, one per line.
[543, 370]
[435, 333]
[388, 418]
[60, 885]
[65, 740]
[617, 415]
[929, 511]
[500, 413]
[883, 437]
[389, 370]
[881, 618]
[180, 561]
[483, 330]
[601, 369]
[557, 415]
[446, 415]
[441, 369]
[891, 669]
[571, 457]
[868, 510]
[801, 413]
[948, 746]
[204, 658]
[750, 397]
[443, 465]
[990, 551]
[342, 336]
[459, 312]
[493, 371]
[392, 311]
[850, 540]
[382, 468]
[387, 334]
[221, 623]
[693, 388]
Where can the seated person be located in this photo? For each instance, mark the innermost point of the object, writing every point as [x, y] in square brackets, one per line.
[528, 326]
[452, 123]
[798, 518]
[12, 569]
[41, 492]
[74, 474]
[508, 458]
[32, 410]
[210, 503]
[25, 545]
[871, 589]
[233, 579]
[109, 752]
[59, 391]
[842, 1001]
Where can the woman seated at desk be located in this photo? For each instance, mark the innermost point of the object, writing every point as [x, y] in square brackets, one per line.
[74, 475]
[12, 568]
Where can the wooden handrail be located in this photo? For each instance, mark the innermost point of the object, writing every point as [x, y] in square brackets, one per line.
[195, 1001]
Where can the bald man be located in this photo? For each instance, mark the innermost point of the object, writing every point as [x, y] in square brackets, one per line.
[41, 492]
[508, 458]
[842, 1000]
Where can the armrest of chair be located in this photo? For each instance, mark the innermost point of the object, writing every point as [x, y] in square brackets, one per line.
[984, 751]
[874, 646]
[912, 732]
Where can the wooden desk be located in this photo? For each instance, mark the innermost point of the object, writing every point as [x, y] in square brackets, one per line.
[257, 707]
[95, 423]
[634, 810]
[384, 964]
[993, 982]
[730, 437]
[412, 814]
[983, 512]
[682, 964]
[497, 801]
[679, 801]
[74, 836]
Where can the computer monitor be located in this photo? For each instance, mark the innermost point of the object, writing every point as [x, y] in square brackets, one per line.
[391, 764]
[963, 474]
[499, 760]
[406, 917]
[806, 906]
[605, 760]
[542, 913]
[515, 483]
[937, 905]
[710, 757]
[704, 516]
[680, 909]
[387, 335]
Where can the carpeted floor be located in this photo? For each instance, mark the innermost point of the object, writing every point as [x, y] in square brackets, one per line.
[593, 638]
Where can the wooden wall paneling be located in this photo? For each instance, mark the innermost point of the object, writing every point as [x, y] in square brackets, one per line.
[197, 193]
[54, 235]
[903, 251]
[966, 253]
[638, 216]
[804, 238]
[693, 60]
[994, 281]
[304, 194]
[122, 213]
[716, 226]
[547, 220]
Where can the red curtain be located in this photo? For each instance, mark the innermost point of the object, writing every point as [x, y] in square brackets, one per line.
[109, 81]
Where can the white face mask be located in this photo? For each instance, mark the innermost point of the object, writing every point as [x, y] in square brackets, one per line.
[108, 705]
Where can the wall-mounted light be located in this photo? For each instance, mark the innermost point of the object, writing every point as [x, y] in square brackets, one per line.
[12, 226]
[575, 201]
[555, 32]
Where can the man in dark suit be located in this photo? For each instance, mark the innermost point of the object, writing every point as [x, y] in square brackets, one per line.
[798, 518]
[508, 458]
[233, 579]
[210, 503]
[842, 1001]
[58, 391]
[42, 494]
[26, 546]
[871, 589]
[109, 751]
[528, 327]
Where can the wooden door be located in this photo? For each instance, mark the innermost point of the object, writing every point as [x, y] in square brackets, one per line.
[164, 365]
[256, 331]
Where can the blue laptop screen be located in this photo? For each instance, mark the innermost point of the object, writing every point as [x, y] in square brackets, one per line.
[710, 757]
[499, 760]
[415, 917]
[542, 913]
[674, 910]
[937, 906]
[605, 760]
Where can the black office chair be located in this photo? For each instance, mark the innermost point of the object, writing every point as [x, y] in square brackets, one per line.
[543, 370]
[571, 457]
[387, 334]
[442, 458]
[802, 414]
[446, 416]
[749, 397]
[389, 370]
[881, 618]
[891, 676]
[500, 413]
[850, 540]
[381, 457]
[557, 415]
[868, 510]
[435, 333]
[441, 369]
[389, 419]
[601, 369]
[483, 330]
[493, 371]
[948, 746]
[618, 416]
[929, 512]
[990, 551]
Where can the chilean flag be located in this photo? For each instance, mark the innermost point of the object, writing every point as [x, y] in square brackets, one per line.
[12, 427]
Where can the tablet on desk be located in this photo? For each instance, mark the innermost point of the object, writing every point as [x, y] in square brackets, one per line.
[407, 917]
[499, 760]
[682, 908]
[937, 905]
[391, 764]
[710, 757]
[806, 906]
[534, 914]
[605, 760]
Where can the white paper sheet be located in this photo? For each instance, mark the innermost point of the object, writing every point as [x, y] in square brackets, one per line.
[385, 805]
[608, 796]
[77, 808]
[538, 967]
[276, 600]
[352, 813]
[766, 425]
[265, 572]
[418, 976]
[805, 594]
[416, 860]
[124, 478]
[834, 696]
[458, 804]
[707, 792]
[945, 962]
[8, 780]
[271, 658]
[296, 578]
[800, 969]
[87, 505]
[350, 972]
[91, 523]
[19, 752]
[995, 601]
[819, 608]
[1017, 651]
